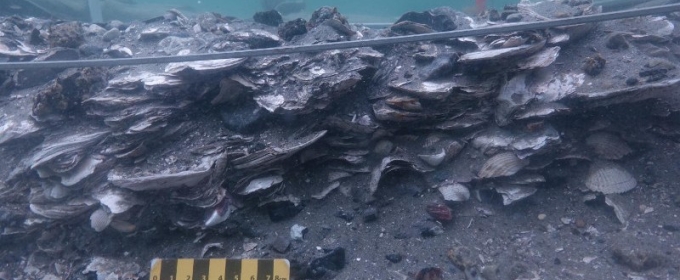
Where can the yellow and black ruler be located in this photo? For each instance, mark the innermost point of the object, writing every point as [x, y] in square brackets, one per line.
[220, 269]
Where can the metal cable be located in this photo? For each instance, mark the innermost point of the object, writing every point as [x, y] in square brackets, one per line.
[506, 28]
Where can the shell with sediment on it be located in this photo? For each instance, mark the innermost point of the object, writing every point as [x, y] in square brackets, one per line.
[609, 178]
[608, 146]
[501, 165]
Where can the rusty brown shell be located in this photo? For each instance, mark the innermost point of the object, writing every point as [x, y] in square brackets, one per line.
[500, 165]
[608, 146]
[608, 178]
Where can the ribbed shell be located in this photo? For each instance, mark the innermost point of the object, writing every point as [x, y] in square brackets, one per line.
[609, 178]
[500, 165]
[99, 220]
[608, 146]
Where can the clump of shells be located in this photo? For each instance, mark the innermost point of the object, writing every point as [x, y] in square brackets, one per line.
[197, 140]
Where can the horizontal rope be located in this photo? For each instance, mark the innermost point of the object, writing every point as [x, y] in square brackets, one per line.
[506, 28]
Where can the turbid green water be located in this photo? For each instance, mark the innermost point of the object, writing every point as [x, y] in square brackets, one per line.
[356, 10]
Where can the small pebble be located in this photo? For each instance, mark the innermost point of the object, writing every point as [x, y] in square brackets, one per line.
[297, 232]
[514, 18]
[280, 244]
[370, 215]
[580, 223]
[631, 81]
[542, 216]
[394, 258]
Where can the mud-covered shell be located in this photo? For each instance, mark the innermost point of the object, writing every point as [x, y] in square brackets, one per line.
[501, 165]
[100, 220]
[608, 178]
[608, 146]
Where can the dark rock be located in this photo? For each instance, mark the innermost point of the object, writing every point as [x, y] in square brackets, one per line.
[557, 261]
[271, 18]
[323, 14]
[631, 81]
[292, 28]
[394, 258]
[593, 65]
[654, 75]
[67, 35]
[494, 15]
[333, 261]
[430, 273]
[616, 41]
[370, 215]
[280, 244]
[282, 210]
[348, 217]
[440, 19]
[637, 260]
[671, 228]
[431, 231]
[35, 38]
[514, 18]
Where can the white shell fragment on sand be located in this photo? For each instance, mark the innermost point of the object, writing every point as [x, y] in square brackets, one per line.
[609, 178]
[454, 192]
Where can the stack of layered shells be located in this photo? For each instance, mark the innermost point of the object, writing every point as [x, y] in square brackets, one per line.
[190, 143]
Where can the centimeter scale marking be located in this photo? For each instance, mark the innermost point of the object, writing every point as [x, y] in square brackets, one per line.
[220, 269]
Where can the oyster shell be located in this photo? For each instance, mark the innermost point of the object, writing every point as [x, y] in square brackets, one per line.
[609, 178]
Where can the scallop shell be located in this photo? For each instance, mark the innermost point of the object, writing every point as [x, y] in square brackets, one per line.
[99, 220]
[454, 192]
[609, 178]
[503, 164]
[608, 146]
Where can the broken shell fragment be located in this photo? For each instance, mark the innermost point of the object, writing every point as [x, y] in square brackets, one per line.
[261, 183]
[609, 178]
[435, 158]
[614, 201]
[501, 165]
[454, 192]
[512, 194]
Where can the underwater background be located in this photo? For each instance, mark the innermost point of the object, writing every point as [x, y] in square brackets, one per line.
[355, 10]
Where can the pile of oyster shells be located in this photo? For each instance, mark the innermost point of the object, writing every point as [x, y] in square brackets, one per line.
[192, 142]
